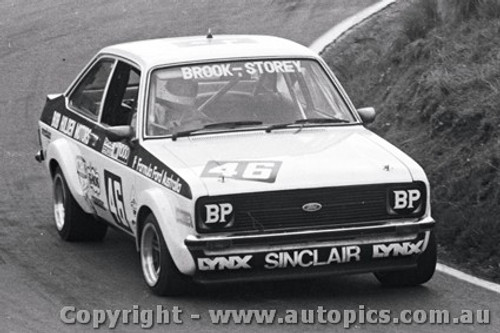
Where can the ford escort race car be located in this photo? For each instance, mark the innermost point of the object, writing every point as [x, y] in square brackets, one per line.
[234, 157]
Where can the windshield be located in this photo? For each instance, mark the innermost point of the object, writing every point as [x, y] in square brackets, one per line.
[252, 93]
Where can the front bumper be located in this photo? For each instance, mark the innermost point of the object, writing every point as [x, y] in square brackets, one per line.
[309, 253]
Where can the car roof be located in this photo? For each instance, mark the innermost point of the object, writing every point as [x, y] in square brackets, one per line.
[165, 51]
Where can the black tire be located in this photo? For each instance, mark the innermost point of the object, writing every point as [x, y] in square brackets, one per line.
[426, 265]
[158, 268]
[72, 223]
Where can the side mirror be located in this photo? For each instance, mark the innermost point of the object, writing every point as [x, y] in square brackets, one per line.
[367, 114]
[118, 133]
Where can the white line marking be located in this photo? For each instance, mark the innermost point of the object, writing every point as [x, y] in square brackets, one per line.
[468, 278]
[331, 35]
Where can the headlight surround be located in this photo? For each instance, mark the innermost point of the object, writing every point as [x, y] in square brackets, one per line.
[407, 200]
[215, 215]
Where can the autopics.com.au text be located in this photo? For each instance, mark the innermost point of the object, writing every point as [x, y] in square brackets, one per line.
[160, 315]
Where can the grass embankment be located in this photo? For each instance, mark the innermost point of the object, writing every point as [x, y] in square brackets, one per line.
[434, 78]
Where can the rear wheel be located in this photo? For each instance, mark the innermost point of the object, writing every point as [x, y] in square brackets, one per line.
[159, 270]
[72, 223]
[426, 265]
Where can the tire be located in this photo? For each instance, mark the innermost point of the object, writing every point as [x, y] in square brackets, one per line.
[426, 265]
[72, 223]
[158, 268]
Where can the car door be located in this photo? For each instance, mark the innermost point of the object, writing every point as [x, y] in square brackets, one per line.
[111, 180]
[120, 108]
[79, 118]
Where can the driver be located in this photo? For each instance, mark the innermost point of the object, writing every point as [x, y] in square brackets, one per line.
[175, 104]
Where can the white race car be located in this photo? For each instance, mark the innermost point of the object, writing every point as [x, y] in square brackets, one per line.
[232, 157]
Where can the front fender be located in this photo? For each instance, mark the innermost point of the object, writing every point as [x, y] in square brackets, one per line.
[65, 155]
[162, 206]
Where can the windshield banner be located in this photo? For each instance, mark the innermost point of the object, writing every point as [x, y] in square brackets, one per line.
[240, 69]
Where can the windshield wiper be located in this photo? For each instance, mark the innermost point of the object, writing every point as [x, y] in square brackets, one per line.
[307, 121]
[227, 124]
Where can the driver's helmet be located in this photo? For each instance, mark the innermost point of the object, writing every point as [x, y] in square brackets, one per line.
[178, 93]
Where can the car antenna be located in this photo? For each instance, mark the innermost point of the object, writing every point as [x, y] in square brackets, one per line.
[209, 34]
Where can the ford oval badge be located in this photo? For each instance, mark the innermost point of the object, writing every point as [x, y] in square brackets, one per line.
[312, 207]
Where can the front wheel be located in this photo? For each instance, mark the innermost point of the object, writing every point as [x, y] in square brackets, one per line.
[159, 270]
[426, 265]
[72, 223]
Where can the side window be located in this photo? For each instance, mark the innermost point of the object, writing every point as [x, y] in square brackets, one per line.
[87, 97]
[120, 104]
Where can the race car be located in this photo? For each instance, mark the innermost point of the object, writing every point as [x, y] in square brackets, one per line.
[232, 158]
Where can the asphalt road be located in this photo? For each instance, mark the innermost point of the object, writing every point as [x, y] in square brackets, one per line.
[43, 45]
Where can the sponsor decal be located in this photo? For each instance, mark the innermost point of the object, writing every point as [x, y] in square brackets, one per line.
[46, 133]
[285, 259]
[107, 147]
[133, 206]
[261, 171]
[215, 71]
[94, 138]
[81, 170]
[116, 150]
[218, 213]
[88, 177]
[158, 174]
[308, 258]
[56, 118]
[398, 249]
[82, 133]
[223, 263]
[93, 176]
[406, 201]
[133, 202]
[67, 126]
[72, 128]
[114, 193]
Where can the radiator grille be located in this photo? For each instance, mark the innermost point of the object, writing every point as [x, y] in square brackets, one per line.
[282, 210]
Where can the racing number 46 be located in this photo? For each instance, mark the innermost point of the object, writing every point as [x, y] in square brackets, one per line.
[265, 171]
[114, 193]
